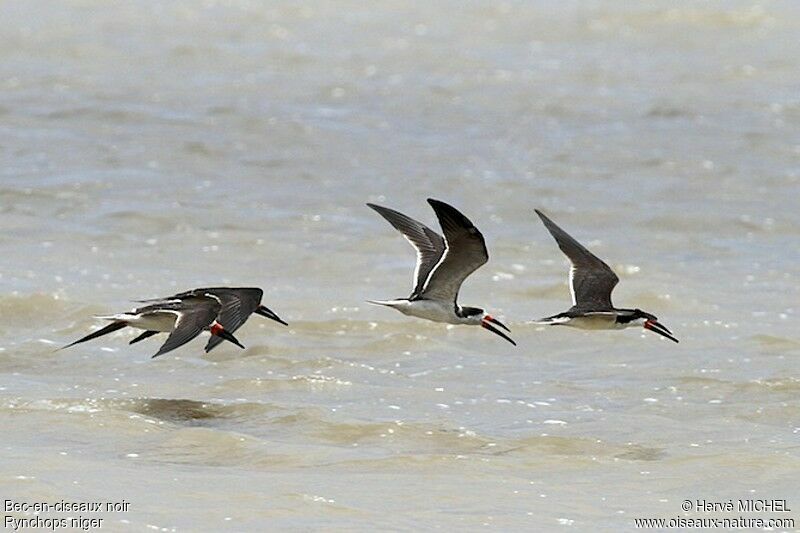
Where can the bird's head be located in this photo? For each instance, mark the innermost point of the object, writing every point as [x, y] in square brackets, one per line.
[217, 329]
[651, 322]
[477, 316]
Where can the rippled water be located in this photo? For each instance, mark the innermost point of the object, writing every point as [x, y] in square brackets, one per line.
[152, 147]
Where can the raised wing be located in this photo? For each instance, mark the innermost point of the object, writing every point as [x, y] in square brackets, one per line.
[465, 252]
[429, 245]
[590, 279]
[194, 315]
[238, 304]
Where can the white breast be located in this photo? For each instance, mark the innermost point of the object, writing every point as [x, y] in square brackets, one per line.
[595, 321]
[159, 321]
[434, 310]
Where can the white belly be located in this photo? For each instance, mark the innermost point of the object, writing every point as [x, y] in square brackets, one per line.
[164, 321]
[595, 321]
[434, 310]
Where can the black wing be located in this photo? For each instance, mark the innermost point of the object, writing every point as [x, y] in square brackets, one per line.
[143, 336]
[429, 245]
[465, 252]
[590, 279]
[114, 326]
[237, 306]
[195, 315]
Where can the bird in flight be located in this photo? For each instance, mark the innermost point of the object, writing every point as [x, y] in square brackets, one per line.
[443, 263]
[237, 304]
[591, 282]
[183, 318]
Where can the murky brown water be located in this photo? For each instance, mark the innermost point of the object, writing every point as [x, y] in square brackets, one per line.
[152, 147]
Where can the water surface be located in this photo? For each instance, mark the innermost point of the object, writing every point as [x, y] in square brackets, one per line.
[152, 147]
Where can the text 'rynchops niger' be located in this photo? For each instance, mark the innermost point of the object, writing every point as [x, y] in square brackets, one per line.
[591, 282]
[220, 310]
[443, 263]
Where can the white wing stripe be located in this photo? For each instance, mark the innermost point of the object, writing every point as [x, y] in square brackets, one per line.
[419, 261]
[572, 284]
[438, 264]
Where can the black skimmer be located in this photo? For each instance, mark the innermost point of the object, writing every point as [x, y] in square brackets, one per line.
[238, 303]
[442, 266]
[184, 319]
[591, 282]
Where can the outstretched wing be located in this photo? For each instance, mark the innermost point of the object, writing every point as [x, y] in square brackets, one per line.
[237, 306]
[114, 326]
[144, 335]
[428, 244]
[590, 279]
[194, 316]
[465, 252]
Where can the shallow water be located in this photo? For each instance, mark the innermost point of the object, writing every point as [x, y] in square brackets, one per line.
[152, 147]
